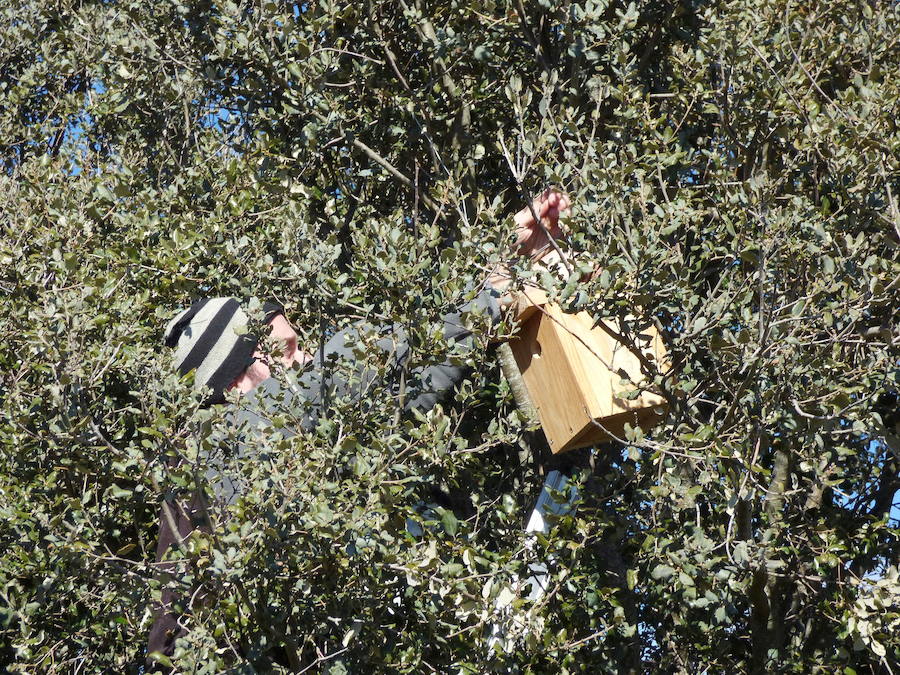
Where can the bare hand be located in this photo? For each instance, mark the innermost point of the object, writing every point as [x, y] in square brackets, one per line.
[531, 238]
[259, 370]
[282, 332]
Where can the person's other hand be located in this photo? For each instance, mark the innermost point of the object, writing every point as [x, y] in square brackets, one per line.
[259, 370]
[283, 333]
[531, 240]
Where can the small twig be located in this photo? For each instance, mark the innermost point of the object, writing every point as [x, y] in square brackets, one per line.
[347, 51]
[322, 659]
[893, 202]
[391, 169]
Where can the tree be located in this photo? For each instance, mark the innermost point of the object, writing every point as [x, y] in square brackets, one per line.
[734, 167]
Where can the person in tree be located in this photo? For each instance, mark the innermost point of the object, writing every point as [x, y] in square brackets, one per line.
[208, 341]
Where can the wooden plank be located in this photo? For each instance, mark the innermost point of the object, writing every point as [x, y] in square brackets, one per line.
[575, 372]
[527, 302]
[550, 380]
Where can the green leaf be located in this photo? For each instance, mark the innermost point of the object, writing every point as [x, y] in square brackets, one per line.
[631, 576]
[449, 521]
[662, 572]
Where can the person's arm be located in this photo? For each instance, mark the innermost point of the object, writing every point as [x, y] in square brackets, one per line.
[426, 385]
[431, 384]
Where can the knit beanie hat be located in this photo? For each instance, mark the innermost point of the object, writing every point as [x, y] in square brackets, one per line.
[210, 338]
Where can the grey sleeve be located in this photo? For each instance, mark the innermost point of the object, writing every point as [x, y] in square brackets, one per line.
[435, 383]
[425, 387]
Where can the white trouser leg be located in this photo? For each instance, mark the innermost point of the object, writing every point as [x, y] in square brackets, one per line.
[537, 582]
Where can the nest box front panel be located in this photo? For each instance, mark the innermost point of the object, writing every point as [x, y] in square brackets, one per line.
[576, 374]
[562, 384]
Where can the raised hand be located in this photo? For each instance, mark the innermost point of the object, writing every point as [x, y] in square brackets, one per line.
[531, 238]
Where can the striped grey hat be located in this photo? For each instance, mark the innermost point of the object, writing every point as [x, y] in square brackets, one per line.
[210, 338]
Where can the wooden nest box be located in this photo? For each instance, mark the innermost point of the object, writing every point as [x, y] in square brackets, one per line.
[578, 375]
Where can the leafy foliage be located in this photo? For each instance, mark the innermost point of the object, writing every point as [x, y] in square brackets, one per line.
[734, 167]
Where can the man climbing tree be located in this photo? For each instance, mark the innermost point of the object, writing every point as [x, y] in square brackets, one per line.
[213, 346]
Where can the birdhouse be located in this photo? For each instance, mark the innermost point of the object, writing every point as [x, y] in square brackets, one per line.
[580, 378]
